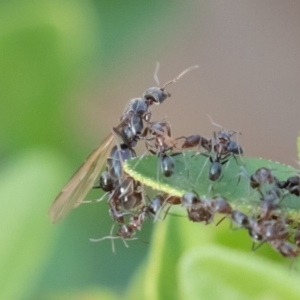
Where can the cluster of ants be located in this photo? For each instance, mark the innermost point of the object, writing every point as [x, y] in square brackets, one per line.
[268, 224]
[129, 207]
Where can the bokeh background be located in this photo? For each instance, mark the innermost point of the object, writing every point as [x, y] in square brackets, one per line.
[67, 69]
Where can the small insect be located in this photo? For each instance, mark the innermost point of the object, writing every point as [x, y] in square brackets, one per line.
[129, 129]
[126, 197]
[269, 207]
[155, 205]
[159, 141]
[262, 180]
[197, 209]
[275, 230]
[195, 140]
[260, 177]
[114, 162]
[223, 147]
[220, 205]
[126, 232]
[292, 184]
[285, 248]
[240, 219]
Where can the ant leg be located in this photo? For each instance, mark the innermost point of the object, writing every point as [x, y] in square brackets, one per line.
[92, 201]
[227, 162]
[239, 149]
[111, 237]
[140, 158]
[208, 157]
[186, 165]
[221, 221]
[253, 248]
[159, 165]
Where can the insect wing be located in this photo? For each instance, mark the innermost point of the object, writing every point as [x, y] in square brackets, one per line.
[81, 182]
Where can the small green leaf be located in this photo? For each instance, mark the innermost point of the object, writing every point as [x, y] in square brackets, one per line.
[214, 272]
[191, 174]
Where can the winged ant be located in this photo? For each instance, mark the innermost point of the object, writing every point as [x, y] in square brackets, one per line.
[129, 130]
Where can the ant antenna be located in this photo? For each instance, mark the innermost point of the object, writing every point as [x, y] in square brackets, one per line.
[180, 75]
[212, 122]
[156, 73]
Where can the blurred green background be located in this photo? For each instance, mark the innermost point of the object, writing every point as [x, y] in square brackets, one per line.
[67, 68]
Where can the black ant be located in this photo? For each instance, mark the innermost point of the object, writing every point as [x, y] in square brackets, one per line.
[223, 147]
[203, 210]
[261, 180]
[159, 141]
[240, 219]
[129, 130]
[292, 184]
[260, 177]
[138, 110]
[195, 208]
[195, 141]
[126, 197]
[109, 179]
[285, 248]
[269, 207]
[125, 232]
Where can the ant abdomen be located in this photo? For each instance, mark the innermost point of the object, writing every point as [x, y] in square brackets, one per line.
[215, 171]
[167, 165]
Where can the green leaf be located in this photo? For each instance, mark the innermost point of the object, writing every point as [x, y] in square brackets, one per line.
[172, 237]
[89, 294]
[214, 272]
[45, 47]
[188, 261]
[191, 174]
[28, 183]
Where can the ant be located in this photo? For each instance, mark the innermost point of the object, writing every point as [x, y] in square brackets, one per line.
[125, 232]
[129, 130]
[292, 184]
[260, 177]
[159, 141]
[196, 210]
[223, 147]
[195, 141]
[261, 180]
[114, 169]
[128, 230]
[126, 197]
[203, 210]
[139, 109]
[270, 208]
[240, 219]
[285, 248]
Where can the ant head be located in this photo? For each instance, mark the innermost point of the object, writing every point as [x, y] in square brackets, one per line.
[156, 95]
[189, 199]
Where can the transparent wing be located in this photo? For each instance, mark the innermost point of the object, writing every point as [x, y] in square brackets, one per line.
[81, 182]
